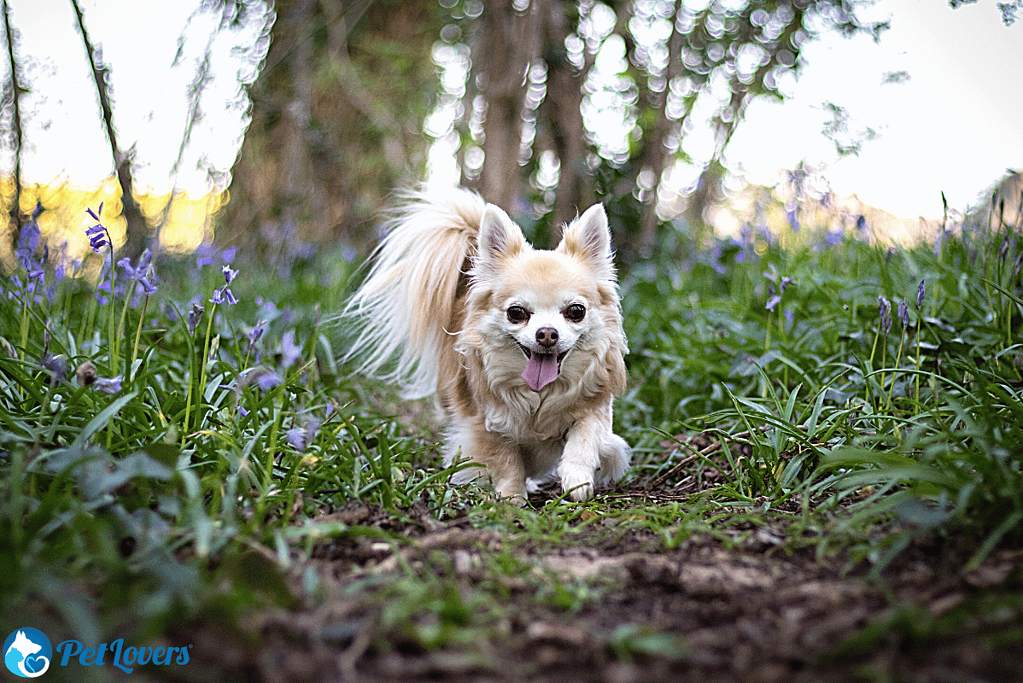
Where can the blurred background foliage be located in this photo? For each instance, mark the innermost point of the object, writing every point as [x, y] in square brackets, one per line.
[543, 106]
[349, 105]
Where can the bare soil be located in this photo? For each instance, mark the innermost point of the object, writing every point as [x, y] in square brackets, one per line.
[630, 609]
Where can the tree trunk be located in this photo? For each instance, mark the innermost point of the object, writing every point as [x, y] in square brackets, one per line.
[16, 92]
[137, 231]
[506, 49]
[562, 113]
[657, 146]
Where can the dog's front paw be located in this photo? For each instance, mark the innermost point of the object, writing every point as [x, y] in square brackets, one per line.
[512, 490]
[577, 481]
[615, 456]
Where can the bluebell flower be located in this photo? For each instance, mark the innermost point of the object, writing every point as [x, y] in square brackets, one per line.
[884, 311]
[88, 376]
[143, 272]
[99, 236]
[103, 292]
[108, 385]
[55, 367]
[204, 254]
[223, 295]
[28, 242]
[296, 437]
[18, 287]
[268, 380]
[136, 271]
[290, 351]
[149, 281]
[772, 299]
[256, 333]
[904, 314]
[920, 295]
[301, 437]
[793, 216]
[194, 316]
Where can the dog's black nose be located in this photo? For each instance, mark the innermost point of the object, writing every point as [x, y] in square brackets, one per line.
[547, 337]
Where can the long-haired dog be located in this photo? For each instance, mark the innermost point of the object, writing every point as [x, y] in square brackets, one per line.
[523, 347]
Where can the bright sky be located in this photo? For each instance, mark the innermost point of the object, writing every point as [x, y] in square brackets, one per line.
[139, 40]
[955, 126]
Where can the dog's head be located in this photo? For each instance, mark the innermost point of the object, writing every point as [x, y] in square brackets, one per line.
[542, 306]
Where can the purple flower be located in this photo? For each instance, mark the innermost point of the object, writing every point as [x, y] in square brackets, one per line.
[108, 385]
[28, 241]
[56, 367]
[99, 236]
[301, 437]
[884, 311]
[920, 295]
[296, 437]
[290, 351]
[89, 377]
[143, 272]
[904, 314]
[268, 380]
[103, 292]
[194, 316]
[204, 254]
[143, 263]
[149, 281]
[223, 295]
[793, 216]
[257, 332]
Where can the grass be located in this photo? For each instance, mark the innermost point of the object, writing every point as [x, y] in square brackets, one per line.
[168, 453]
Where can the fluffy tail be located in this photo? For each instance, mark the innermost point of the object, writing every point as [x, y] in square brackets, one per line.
[405, 309]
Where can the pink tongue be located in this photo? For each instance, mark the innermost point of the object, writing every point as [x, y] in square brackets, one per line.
[541, 370]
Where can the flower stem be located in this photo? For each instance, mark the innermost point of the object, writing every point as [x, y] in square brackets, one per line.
[138, 332]
[111, 339]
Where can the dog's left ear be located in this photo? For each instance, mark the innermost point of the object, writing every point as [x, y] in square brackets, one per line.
[499, 237]
[588, 239]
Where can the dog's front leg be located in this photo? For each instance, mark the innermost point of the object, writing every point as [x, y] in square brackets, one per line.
[581, 458]
[503, 459]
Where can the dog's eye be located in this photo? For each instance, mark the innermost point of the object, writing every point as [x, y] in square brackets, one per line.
[517, 315]
[575, 313]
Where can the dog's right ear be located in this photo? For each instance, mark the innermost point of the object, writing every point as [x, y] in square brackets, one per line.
[499, 237]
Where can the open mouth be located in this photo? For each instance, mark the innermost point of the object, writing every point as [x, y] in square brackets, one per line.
[541, 368]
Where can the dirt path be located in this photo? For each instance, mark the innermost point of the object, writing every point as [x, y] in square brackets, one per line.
[617, 605]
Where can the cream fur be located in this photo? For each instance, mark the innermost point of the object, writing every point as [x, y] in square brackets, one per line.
[434, 316]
